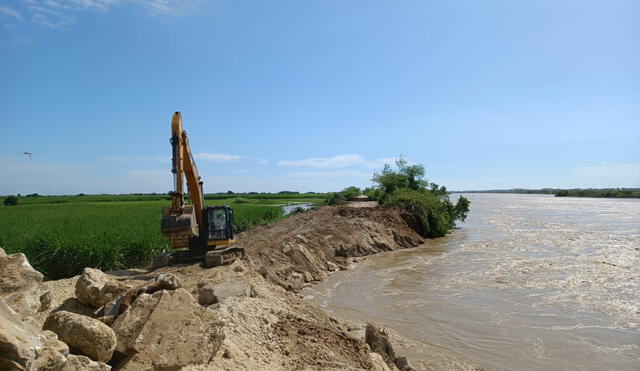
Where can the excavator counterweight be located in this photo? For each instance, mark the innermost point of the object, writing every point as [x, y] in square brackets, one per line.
[196, 232]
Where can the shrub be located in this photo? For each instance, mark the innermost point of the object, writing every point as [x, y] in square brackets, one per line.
[336, 198]
[351, 192]
[429, 202]
[297, 210]
[11, 201]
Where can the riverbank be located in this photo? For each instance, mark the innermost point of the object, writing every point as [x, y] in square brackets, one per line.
[249, 315]
[530, 282]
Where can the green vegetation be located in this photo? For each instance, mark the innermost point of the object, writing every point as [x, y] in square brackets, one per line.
[606, 193]
[406, 189]
[10, 201]
[542, 191]
[575, 192]
[341, 198]
[62, 234]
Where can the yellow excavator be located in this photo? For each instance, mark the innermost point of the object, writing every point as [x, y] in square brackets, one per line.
[197, 232]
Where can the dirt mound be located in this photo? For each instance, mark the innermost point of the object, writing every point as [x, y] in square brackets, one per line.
[312, 243]
[308, 343]
[247, 315]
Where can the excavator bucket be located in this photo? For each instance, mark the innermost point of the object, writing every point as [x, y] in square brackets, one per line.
[179, 227]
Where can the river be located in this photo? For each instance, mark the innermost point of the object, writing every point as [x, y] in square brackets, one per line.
[529, 282]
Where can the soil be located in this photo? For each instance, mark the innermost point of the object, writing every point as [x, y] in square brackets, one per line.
[269, 325]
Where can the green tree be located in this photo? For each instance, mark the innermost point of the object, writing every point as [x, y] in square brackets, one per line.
[11, 201]
[350, 192]
[335, 198]
[406, 188]
[461, 210]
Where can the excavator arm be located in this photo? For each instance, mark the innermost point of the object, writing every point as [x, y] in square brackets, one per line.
[181, 222]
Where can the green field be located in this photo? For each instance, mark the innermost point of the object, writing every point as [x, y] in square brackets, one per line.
[63, 234]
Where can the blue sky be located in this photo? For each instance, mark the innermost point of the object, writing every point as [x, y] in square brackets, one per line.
[316, 95]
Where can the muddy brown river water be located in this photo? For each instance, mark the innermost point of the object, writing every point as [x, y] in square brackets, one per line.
[530, 282]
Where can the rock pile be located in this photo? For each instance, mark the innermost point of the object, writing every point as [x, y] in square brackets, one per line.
[157, 325]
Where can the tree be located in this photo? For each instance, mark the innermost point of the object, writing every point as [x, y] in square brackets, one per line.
[350, 192]
[335, 198]
[11, 201]
[461, 209]
[406, 188]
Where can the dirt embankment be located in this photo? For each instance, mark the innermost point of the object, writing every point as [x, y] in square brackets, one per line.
[244, 316]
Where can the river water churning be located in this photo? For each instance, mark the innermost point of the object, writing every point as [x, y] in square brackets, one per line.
[529, 282]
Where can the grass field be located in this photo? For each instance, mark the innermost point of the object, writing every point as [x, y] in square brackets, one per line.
[63, 234]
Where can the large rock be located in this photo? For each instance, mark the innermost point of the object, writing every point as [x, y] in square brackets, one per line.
[167, 281]
[402, 363]
[22, 347]
[96, 288]
[379, 342]
[16, 273]
[83, 334]
[210, 292]
[377, 363]
[82, 363]
[166, 330]
[21, 286]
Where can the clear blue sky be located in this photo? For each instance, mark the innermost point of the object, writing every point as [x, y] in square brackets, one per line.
[316, 95]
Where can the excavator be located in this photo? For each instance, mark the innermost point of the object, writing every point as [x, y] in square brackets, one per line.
[197, 232]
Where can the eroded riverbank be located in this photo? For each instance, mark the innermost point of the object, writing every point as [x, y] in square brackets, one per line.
[529, 282]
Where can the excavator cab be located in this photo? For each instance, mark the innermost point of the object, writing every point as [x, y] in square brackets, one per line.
[220, 225]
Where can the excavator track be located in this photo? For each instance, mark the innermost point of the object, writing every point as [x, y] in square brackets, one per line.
[212, 258]
[218, 257]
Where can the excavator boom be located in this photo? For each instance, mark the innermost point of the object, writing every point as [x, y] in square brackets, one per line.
[181, 222]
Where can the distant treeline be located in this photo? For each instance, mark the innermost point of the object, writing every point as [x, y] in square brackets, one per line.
[35, 198]
[575, 192]
[264, 195]
[542, 191]
[607, 193]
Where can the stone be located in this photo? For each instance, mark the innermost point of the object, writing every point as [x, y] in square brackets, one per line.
[83, 334]
[308, 277]
[17, 274]
[377, 363]
[107, 320]
[96, 288]
[111, 290]
[45, 301]
[211, 293]
[89, 285]
[115, 307]
[402, 363]
[237, 266]
[379, 342]
[166, 330]
[129, 324]
[332, 267]
[21, 286]
[167, 281]
[230, 350]
[205, 293]
[22, 347]
[294, 282]
[82, 363]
